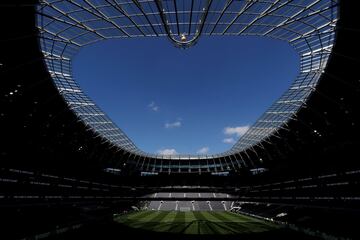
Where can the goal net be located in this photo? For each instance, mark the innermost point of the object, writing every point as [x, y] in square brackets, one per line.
[184, 209]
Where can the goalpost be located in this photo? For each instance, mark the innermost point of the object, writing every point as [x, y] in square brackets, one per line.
[184, 209]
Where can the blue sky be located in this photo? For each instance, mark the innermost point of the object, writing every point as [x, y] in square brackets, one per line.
[197, 100]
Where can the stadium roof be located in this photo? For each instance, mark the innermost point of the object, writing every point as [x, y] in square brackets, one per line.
[308, 25]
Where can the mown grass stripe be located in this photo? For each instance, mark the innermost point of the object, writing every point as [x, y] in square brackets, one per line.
[199, 216]
[180, 217]
[150, 217]
[220, 216]
[170, 217]
[212, 228]
[159, 217]
[209, 217]
[204, 228]
[224, 228]
[189, 217]
[177, 227]
[150, 222]
[133, 217]
[190, 228]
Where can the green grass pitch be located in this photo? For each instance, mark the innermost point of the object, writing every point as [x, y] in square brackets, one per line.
[194, 222]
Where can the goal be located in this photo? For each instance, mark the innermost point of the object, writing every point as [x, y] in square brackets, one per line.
[184, 209]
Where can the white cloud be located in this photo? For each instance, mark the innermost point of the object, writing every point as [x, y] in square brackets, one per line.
[167, 151]
[153, 106]
[203, 150]
[238, 131]
[175, 124]
[228, 140]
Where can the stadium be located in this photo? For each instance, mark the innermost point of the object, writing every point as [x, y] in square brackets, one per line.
[67, 171]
